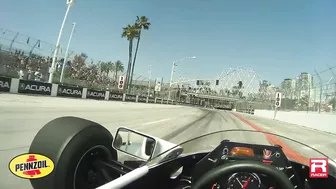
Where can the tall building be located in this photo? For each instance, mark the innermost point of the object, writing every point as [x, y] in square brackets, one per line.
[305, 87]
[288, 87]
[305, 81]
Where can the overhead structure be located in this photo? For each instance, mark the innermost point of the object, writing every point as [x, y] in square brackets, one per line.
[241, 81]
[173, 70]
[234, 82]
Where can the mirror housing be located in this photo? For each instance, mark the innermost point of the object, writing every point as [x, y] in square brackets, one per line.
[134, 143]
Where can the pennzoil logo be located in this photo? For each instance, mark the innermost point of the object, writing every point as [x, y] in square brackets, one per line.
[31, 166]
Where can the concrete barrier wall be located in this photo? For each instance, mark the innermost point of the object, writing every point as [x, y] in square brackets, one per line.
[31, 87]
[19, 86]
[319, 121]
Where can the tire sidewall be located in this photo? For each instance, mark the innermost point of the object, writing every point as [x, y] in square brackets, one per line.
[70, 154]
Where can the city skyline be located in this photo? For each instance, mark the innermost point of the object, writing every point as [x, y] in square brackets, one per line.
[305, 85]
[277, 39]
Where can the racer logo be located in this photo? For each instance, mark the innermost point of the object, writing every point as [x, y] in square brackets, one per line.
[31, 166]
[318, 168]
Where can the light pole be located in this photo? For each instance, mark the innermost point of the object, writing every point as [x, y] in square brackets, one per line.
[150, 76]
[67, 51]
[52, 69]
[172, 73]
[180, 88]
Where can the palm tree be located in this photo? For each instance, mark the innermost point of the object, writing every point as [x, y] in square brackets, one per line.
[118, 67]
[109, 68]
[240, 84]
[102, 67]
[141, 23]
[129, 32]
[84, 55]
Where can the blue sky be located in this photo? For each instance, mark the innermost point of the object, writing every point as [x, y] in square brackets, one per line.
[279, 39]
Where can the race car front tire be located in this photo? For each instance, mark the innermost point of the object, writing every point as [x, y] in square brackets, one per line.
[66, 140]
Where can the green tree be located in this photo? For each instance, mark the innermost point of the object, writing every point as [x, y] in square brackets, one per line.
[129, 32]
[333, 103]
[106, 68]
[77, 67]
[102, 67]
[141, 23]
[109, 67]
[92, 73]
[84, 55]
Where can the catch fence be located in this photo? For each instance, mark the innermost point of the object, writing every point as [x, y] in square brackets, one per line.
[311, 91]
[26, 57]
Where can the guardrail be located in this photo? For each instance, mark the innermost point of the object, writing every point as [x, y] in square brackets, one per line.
[14, 85]
[247, 111]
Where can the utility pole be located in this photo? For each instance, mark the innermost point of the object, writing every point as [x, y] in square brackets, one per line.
[149, 80]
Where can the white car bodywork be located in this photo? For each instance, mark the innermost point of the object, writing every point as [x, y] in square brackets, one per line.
[160, 147]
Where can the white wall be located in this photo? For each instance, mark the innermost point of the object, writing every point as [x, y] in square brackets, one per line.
[323, 121]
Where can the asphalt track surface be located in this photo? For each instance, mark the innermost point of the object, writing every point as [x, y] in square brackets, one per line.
[22, 116]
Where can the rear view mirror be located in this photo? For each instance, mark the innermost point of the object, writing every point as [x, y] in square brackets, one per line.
[135, 144]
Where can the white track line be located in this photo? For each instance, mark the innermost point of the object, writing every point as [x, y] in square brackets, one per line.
[154, 122]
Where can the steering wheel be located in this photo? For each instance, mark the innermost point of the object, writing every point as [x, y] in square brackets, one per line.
[243, 166]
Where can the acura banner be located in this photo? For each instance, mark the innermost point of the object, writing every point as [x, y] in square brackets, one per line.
[151, 100]
[142, 99]
[116, 96]
[159, 101]
[34, 87]
[130, 98]
[69, 91]
[94, 94]
[5, 84]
